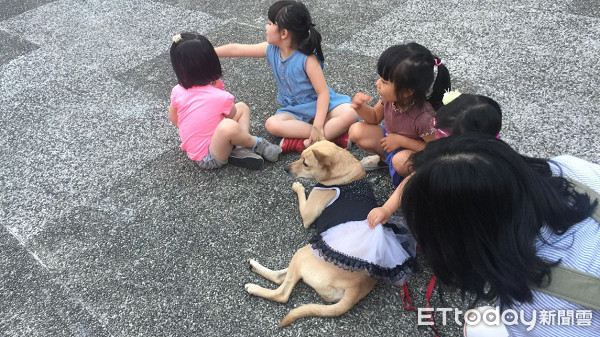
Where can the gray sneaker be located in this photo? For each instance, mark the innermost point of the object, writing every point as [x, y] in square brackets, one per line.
[269, 151]
[245, 158]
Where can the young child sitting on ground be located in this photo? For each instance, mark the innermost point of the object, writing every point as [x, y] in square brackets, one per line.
[411, 81]
[462, 113]
[293, 50]
[209, 124]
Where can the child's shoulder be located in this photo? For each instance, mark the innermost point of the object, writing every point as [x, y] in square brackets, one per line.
[428, 108]
[272, 49]
[424, 110]
[177, 87]
[205, 90]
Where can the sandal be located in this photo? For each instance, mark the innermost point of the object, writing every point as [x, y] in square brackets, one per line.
[372, 163]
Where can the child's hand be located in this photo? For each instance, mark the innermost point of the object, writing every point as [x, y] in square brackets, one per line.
[314, 136]
[359, 99]
[391, 142]
[378, 215]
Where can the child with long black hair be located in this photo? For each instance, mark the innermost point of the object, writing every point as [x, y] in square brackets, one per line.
[213, 130]
[411, 85]
[293, 50]
[464, 113]
[497, 224]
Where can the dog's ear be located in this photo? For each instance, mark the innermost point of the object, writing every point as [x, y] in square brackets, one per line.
[320, 157]
[320, 136]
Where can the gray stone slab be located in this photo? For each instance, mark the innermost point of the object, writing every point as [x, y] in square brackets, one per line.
[13, 46]
[583, 7]
[67, 100]
[9, 8]
[33, 302]
[131, 239]
[169, 264]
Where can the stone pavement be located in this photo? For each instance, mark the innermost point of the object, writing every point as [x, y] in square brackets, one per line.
[109, 230]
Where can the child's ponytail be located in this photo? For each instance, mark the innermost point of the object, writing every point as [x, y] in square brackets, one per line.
[312, 44]
[441, 84]
[294, 16]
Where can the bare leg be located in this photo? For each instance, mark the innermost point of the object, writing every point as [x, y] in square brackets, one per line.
[367, 137]
[400, 162]
[229, 133]
[339, 120]
[286, 125]
[242, 117]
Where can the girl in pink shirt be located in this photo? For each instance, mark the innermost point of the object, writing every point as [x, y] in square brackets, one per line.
[213, 130]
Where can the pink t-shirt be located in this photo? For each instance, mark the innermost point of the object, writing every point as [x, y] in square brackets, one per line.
[416, 122]
[199, 111]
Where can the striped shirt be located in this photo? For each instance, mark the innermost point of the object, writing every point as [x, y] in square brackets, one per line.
[578, 248]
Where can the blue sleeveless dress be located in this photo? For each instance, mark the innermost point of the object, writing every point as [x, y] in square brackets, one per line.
[296, 94]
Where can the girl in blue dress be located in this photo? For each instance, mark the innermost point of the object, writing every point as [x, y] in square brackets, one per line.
[293, 50]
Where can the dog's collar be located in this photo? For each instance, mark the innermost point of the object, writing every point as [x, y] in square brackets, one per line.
[348, 185]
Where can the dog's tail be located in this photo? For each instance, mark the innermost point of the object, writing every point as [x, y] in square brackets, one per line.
[351, 297]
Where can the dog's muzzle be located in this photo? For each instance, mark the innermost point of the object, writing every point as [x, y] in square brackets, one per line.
[289, 171]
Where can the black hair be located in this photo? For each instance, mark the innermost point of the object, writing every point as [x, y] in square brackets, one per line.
[294, 16]
[194, 60]
[410, 66]
[476, 207]
[470, 113]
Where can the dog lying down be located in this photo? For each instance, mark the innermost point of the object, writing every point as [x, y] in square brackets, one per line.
[345, 258]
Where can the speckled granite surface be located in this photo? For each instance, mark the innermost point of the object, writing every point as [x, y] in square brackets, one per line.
[109, 230]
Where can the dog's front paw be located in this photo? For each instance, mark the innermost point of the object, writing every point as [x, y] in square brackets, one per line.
[297, 187]
[251, 288]
[252, 264]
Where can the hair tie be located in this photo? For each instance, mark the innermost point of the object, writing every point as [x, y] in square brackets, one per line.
[437, 63]
[430, 89]
[450, 96]
[177, 38]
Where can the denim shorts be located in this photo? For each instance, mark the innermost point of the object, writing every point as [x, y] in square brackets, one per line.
[209, 162]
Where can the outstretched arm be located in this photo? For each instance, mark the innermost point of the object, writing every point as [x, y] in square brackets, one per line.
[242, 50]
[382, 214]
[317, 79]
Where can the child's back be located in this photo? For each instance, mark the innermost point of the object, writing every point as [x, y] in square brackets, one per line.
[213, 130]
[200, 109]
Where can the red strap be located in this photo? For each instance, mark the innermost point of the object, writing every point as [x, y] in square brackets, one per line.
[430, 290]
[407, 301]
[405, 296]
